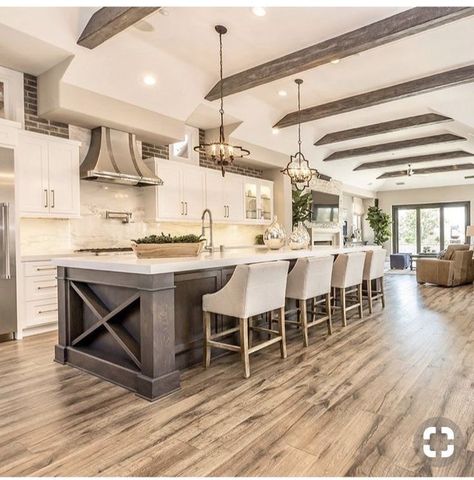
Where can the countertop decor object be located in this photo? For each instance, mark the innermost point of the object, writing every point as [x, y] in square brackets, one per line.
[220, 152]
[166, 246]
[299, 238]
[274, 236]
[298, 168]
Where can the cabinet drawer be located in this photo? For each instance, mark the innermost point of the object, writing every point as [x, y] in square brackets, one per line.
[41, 312]
[37, 269]
[38, 288]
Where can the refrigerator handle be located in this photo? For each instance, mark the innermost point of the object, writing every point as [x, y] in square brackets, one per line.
[6, 241]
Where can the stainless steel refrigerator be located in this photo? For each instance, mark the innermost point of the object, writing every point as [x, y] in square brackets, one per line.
[8, 305]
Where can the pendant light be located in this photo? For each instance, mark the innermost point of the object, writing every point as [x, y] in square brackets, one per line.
[298, 168]
[220, 152]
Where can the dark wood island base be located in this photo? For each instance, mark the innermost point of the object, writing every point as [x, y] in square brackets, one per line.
[135, 330]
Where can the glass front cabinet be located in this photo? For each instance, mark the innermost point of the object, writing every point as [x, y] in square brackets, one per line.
[258, 196]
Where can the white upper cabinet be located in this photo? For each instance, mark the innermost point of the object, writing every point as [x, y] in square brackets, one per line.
[181, 197]
[258, 201]
[189, 189]
[47, 176]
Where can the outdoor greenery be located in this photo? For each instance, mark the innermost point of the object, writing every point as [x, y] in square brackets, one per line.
[301, 206]
[380, 223]
[162, 238]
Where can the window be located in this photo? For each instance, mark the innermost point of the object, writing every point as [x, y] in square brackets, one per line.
[429, 228]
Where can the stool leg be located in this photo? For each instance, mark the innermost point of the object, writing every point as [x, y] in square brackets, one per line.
[304, 321]
[382, 292]
[244, 345]
[343, 306]
[361, 310]
[206, 316]
[250, 333]
[328, 311]
[281, 328]
[369, 293]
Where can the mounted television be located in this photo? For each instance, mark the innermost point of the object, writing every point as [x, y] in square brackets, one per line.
[325, 207]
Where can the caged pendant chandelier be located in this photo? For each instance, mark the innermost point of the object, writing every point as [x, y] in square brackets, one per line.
[220, 152]
[298, 168]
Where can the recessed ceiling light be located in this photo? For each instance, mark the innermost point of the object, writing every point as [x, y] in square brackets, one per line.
[336, 60]
[149, 80]
[275, 131]
[282, 93]
[259, 11]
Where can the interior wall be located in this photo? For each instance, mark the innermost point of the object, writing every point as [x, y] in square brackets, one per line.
[459, 193]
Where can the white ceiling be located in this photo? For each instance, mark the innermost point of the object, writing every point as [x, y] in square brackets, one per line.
[181, 50]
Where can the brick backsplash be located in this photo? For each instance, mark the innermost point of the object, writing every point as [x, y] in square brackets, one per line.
[49, 127]
[32, 121]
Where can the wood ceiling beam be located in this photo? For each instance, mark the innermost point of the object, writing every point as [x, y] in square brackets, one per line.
[109, 21]
[387, 147]
[384, 127]
[387, 30]
[411, 160]
[451, 78]
[424, 171]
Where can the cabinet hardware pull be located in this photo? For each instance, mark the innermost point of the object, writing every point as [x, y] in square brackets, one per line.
[182, 208]
[228, 211]
[46, 288]
[40, 269]
[53, 202]
[186, 203]
[45, 198]
[47, 311]
[225, 211]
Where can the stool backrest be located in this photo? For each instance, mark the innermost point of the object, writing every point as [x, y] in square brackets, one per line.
[374, 263]
[258, 288]
[310, 277]
[348, 270]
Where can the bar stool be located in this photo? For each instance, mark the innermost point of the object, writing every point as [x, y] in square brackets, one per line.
[252, 290]
[310, 278]
[373, 272]
[346, 273]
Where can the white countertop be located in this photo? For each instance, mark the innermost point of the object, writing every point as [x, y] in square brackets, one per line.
[130, 264]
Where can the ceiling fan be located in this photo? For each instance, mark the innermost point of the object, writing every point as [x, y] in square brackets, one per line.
[428, 170]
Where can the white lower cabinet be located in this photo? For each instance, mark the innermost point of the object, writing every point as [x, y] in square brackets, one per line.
[39, 305]
[188, 189]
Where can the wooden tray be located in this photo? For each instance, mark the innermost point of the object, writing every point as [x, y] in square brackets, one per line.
[167, 250]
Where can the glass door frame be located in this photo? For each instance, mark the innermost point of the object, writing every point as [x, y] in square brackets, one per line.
[420, 206]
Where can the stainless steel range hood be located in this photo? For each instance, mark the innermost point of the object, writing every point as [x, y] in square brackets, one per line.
[113, 157]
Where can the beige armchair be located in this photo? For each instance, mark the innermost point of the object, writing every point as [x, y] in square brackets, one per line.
[456, 267]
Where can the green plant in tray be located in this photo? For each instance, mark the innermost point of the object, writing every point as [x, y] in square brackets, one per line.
[167, 238]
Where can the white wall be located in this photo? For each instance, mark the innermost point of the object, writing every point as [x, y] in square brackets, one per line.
[460, 193]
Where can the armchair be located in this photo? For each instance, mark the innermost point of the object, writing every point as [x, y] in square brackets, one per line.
[456, 267]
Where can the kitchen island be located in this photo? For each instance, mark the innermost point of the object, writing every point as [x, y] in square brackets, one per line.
[138, 322]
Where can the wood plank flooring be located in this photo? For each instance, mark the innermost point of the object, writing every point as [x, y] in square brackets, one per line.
[348, 404]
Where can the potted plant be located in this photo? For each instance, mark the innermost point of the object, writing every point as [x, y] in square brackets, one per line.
[168, 246]
[301, 206]
[380, 223]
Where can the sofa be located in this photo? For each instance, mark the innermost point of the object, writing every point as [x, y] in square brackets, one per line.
[454, 267]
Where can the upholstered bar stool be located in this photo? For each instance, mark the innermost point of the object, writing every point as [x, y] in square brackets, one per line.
[252, 290]
[373, 272]
[347, 274]
[310, 278]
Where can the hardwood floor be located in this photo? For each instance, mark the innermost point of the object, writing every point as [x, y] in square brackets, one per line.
[348, 404]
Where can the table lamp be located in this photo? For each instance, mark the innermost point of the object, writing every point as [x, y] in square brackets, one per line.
[470, 233]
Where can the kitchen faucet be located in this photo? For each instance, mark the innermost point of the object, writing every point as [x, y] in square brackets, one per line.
[209, 242]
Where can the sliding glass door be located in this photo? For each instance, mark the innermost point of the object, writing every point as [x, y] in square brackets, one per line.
[429, 228]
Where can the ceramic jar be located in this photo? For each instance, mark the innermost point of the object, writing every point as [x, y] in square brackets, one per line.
[274, 236]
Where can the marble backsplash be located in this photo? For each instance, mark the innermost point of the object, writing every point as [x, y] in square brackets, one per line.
[93, 230]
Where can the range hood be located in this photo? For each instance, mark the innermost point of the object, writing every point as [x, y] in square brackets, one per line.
[113, 157]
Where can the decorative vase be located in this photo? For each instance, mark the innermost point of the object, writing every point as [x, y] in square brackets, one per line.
[299, 238]
[274, 236]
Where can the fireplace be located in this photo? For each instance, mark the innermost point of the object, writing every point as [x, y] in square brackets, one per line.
[329, 235]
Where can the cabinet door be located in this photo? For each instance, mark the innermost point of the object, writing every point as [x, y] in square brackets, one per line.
[63, 163]
[31, 166]
[251, 207]
[170, 203]
[215, 195]
[233, 197]
[193, 193]
[265, 201]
